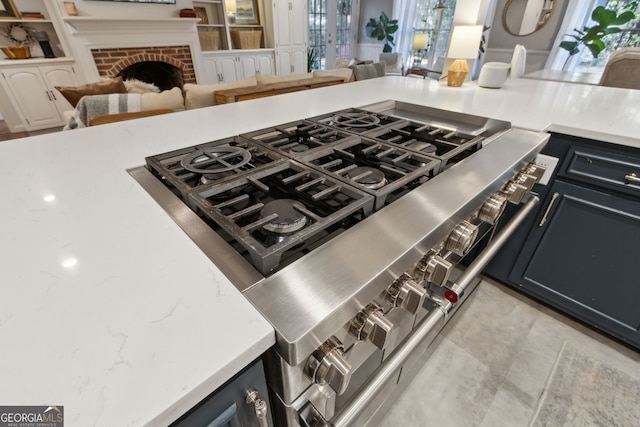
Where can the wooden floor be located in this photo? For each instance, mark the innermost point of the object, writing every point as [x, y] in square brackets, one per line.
[6, 135]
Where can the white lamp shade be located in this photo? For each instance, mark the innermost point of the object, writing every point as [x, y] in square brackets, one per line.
[465, 41]
[420, 41]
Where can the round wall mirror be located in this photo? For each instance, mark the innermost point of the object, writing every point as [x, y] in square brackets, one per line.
[524, 17]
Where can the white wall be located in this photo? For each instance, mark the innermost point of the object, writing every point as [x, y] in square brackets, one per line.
[500, 44]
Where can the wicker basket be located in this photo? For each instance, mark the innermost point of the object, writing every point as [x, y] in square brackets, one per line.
[17, 52]
[209, 40]
[246, 39]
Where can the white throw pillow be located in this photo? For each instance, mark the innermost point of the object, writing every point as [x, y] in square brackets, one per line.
[200, 96]
[166, 99]
[270, 79]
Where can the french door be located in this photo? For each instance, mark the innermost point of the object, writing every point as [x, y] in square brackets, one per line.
[332, 30]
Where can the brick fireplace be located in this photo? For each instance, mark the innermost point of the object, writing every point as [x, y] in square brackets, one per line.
[103, 47]
[110, 62]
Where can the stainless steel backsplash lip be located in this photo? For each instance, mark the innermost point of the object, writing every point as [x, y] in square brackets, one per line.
[465, 123]
[316, 295]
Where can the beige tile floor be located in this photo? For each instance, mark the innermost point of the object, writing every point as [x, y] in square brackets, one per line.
[494, 362]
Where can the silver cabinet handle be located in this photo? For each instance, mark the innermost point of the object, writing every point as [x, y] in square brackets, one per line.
[546, 213]
[632, 177]
[260, 406]
[53, 95]
[48, 95]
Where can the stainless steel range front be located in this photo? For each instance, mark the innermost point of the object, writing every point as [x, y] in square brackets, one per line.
[346, 231]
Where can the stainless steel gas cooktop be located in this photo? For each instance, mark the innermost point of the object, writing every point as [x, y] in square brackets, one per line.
[345, 230]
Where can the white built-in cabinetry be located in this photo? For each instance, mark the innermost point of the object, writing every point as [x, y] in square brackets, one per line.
[222, 60]
[290, 31]
[31, 91]
[28, 99]
[236, 65]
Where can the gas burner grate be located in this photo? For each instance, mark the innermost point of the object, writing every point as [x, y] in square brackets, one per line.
[357, 120]
[447, 145]
[244, 209]
[385, 171]
[298, 137]
[205, 165]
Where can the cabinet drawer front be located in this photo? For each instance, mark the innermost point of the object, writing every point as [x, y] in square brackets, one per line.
[617, 171]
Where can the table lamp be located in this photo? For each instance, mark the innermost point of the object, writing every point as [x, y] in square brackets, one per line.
[465, 42]
[231, 11]
[420, 41]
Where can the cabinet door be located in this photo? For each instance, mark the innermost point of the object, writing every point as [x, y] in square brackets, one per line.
[282, 26]
[298, 20]
[229, 68]
[212, 72]
[299, 60]
[583, 258]
[59, 75]
[248, 65]
[32, 95]
[265, 64]
[284, 62]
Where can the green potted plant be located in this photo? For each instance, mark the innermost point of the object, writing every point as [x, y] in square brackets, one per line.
[607, 22]
[383, 29]
[312, 60]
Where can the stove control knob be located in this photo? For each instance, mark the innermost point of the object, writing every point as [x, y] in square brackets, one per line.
[327, 365]
[514, 192]
[535, 170]
[406, 293]
[492, 209]
[371, 325]
[461, 238]
[526, 180]
[432, 268]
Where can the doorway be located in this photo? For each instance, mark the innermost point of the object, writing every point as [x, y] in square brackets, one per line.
[332, 31]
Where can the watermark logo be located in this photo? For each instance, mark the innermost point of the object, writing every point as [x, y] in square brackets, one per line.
[31, 416]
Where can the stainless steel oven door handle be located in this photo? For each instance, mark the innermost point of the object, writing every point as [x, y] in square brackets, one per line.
[436, 318]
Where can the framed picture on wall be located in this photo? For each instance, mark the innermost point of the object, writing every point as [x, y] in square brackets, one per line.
[247, 12]
[8, 10]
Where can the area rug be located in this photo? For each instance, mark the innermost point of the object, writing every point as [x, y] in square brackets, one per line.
[585, 391]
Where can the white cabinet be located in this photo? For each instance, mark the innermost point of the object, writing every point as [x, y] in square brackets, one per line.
[229, 67]
[290, 23]
[32, 93]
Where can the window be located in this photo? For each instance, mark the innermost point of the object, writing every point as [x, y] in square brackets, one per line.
[628, 37]
[433, 18]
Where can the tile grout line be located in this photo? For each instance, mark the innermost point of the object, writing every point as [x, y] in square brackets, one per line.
[543, 395]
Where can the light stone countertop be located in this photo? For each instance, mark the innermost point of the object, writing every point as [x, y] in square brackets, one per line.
[108, 308]
[566, 76]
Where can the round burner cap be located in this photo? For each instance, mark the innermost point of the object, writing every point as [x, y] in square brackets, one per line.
[368, 177]
[212, 160]
[288, 220]
[423, 147]
[299, 148]
[356, 120]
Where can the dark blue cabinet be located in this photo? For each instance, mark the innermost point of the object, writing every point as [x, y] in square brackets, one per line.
[580, 250]
[583, 255]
